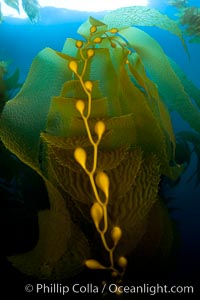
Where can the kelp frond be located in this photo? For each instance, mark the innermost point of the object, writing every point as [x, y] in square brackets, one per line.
[13, 3]
[191, 89]
[31, 8]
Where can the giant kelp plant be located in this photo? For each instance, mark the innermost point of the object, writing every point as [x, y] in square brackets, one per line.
[93, 121]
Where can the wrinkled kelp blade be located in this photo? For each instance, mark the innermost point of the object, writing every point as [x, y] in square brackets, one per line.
[135, 205]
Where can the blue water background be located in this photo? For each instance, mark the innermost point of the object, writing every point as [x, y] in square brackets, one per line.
[21, 41]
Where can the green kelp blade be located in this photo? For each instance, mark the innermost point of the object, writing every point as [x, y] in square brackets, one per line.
[31, 7]
[13, 3]
[190, 88]
[84, 29]
[55, 231]
[57, 239]
[150, 134]
[24, 117]
[69, 48]
[158, 108]
[142, 16]
[102, 69]
[161, 72]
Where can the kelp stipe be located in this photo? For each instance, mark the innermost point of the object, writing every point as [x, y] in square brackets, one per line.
[98, 179]
[94, 126]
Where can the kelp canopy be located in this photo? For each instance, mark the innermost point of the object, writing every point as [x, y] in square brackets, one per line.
[93, 121]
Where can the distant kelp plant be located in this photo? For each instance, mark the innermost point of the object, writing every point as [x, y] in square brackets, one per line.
[188, 19]
[178, 3]
[31, 8]
[93, 121]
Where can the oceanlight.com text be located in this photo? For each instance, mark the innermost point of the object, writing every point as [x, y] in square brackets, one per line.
[90, 288]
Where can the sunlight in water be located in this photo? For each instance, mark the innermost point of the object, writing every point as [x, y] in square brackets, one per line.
[79, 5]
[92, 5]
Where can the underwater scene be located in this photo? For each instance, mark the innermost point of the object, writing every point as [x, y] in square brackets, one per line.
[100, 148]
